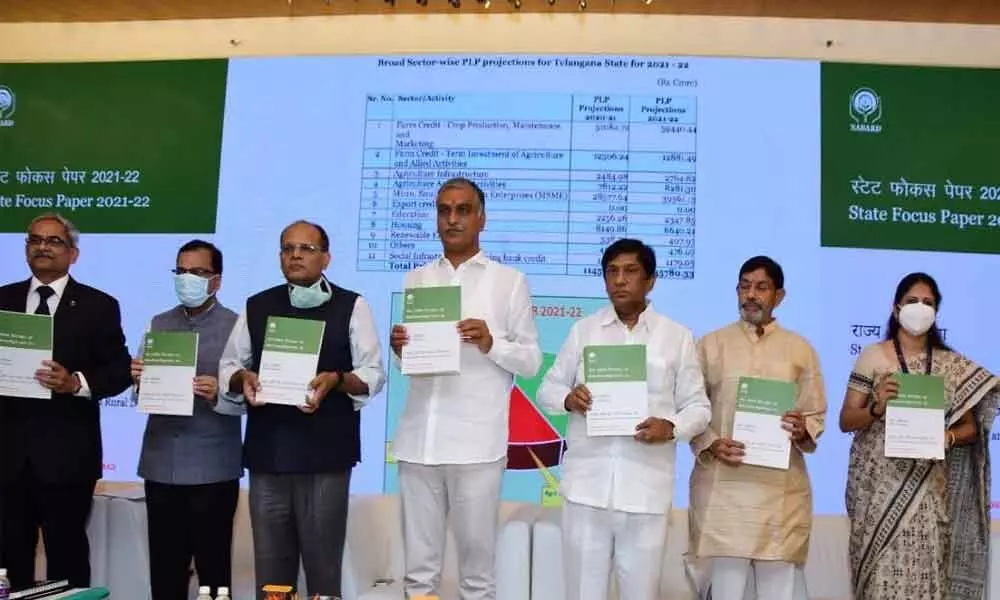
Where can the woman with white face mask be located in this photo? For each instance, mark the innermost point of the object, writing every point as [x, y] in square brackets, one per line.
[910, 537]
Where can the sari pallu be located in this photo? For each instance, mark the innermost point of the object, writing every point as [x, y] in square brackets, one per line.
[920, 528]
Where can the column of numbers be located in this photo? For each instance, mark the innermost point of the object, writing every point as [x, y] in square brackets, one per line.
[599, 206]
[374, 224]
[662, 180]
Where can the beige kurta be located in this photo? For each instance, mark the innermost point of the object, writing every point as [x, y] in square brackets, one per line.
[749, 511]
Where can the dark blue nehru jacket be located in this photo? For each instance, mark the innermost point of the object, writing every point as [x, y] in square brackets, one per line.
[283, 439]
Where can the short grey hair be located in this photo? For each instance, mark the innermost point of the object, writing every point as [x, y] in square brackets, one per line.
[71, 231]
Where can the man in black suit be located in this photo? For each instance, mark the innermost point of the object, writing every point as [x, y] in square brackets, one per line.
[50, 450]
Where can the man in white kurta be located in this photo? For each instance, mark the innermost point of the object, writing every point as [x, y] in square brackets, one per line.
[451, 440]
[618, 490]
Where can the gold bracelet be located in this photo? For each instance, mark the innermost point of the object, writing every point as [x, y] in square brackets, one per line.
[951, 435]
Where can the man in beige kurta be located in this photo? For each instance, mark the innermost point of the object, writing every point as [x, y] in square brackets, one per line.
[742, 516]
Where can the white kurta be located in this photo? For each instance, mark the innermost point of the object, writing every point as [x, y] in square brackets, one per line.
[462, 419]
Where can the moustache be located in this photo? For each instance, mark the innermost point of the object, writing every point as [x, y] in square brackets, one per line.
[41, 255]
[747, 305]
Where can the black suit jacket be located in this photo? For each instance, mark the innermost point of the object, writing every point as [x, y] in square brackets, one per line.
[60, 439]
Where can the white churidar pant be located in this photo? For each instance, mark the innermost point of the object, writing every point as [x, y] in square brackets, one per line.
[470, 495]
[774, 580]
[597, 541]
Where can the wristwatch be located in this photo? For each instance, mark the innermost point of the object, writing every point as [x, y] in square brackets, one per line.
[871, 411]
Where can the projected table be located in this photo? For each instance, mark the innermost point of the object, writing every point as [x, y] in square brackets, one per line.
[564, 175]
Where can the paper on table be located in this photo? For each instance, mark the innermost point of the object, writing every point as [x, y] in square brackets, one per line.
[170, 360]
[288, 362]
[616, 378]
[431, 316]
[760, 404]
[25, 341]
[914, 419]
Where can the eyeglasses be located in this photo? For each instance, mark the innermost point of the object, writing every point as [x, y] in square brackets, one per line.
[196, 271]
[289, 249]
[52, 240]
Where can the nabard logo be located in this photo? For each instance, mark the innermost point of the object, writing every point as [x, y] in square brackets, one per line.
[866, 111]
[8, 103]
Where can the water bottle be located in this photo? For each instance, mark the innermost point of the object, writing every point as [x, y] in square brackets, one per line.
[204, 593]
[4, 585]
[223, 593]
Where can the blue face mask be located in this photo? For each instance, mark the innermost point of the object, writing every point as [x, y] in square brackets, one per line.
[192, 291]
[309, 297]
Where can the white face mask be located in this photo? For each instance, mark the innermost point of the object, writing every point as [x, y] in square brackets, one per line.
[917, 318]
[306, 297]
[191, 289]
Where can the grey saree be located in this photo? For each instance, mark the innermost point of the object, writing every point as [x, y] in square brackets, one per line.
[920, 528]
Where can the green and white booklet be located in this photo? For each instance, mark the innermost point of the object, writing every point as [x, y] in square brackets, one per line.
[616, 378]
[431, 316]
[914, 419]
[170, 360]
[25, 341]
[289, 360]
[760, 404]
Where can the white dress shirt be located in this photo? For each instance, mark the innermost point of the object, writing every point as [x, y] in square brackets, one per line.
[618, 472]
[463, 418]
[59, 287]
[366, 356]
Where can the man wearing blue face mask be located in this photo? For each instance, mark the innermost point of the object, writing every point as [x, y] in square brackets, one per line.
[191, 465]
[300, 458]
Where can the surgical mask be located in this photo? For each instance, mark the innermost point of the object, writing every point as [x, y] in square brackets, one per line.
[192, 290]
[306, 297]
[917, 318]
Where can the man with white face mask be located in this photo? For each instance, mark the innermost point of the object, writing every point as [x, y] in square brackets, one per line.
[191, 465]
[300, 458]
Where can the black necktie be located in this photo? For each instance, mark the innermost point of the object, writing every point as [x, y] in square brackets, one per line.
[44, 293]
